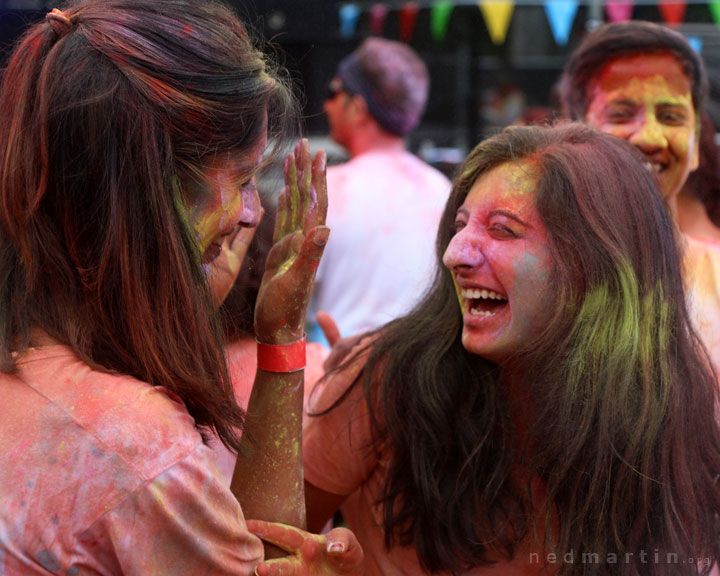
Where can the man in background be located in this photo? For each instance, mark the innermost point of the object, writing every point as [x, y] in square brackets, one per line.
[384, 203]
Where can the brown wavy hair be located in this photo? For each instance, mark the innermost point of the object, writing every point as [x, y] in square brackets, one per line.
[102, 123]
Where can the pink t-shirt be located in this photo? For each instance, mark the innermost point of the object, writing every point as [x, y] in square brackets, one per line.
[702, 273]
[104, 474]
[338, 458]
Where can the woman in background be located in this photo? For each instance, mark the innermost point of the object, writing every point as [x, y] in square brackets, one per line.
[547, 408]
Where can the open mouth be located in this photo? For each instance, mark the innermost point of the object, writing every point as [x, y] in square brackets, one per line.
[483, 302]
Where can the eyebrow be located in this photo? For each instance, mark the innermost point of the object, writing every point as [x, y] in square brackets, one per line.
[631, 102]
[497, 212]
[622, 102]
[510, 215]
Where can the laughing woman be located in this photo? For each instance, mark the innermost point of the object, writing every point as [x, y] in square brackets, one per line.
[547, 408]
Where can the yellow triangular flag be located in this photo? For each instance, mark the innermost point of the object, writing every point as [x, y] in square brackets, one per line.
[497, 14]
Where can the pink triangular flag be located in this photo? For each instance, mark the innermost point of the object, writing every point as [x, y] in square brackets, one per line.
[378, 14]
[619, 10]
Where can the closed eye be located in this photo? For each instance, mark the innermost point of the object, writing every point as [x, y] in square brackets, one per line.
[502, 232]
[672, 117]
[457, 226]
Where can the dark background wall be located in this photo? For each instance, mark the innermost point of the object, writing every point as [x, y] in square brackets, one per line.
[477, 86]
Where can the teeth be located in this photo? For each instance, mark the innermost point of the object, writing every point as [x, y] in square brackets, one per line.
[476, 312]
[652, 167]
[470, 293]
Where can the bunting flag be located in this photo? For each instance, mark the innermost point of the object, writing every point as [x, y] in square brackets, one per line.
[349, 14]
[497, 15]
[561, 15]
[618, 10]
[714, 6]
[696, 42]
[378, 14]
[439, 19]
[407, 17]
[672, 13]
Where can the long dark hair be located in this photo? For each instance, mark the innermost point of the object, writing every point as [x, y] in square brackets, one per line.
[104, 119]
[622, 430]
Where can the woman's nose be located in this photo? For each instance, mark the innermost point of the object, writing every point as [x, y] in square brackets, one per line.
[649, 136]
[463, 252]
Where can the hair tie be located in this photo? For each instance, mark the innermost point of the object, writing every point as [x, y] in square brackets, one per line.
[59, 21]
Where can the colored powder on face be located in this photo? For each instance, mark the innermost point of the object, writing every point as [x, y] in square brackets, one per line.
[531, 274]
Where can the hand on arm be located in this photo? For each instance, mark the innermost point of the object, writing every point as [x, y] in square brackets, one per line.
[336, 553]
[268, 479]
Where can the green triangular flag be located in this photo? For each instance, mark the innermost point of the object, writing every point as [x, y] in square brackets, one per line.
[439, 18]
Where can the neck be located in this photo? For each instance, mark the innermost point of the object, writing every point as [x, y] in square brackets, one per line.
[692, 217]
[375, 139]
[519, 401]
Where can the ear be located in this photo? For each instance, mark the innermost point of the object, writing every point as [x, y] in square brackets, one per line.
[359, 107]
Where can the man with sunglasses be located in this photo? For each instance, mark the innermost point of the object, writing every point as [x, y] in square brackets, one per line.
[384, 203]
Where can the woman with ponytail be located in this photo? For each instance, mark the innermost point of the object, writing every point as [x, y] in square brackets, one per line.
[130, 135]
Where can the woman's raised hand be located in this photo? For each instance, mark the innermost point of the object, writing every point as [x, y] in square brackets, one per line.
[299, 240]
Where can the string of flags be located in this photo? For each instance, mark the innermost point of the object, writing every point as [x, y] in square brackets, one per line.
[497, 15]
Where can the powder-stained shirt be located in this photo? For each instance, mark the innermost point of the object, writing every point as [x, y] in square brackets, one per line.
[339, 458]
[702, 276]
[103, 474]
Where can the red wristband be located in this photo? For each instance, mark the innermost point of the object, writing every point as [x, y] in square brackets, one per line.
[281, 357]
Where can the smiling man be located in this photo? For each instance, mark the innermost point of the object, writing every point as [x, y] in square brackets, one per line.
[644, 83]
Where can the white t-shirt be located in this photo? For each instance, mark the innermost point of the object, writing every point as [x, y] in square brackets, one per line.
[383, 212]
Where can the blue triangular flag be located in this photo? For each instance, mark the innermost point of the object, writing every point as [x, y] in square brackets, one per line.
[561, 14]
[696, 42]
[349, 14]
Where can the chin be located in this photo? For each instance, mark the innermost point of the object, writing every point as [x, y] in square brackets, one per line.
[490, 353]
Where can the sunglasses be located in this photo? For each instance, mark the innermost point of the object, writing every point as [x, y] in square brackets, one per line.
[334, 88]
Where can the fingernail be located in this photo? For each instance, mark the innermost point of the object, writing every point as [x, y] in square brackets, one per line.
[321, 236]
[335, 547]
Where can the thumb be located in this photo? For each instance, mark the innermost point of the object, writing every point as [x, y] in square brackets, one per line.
[344, 551]
[329, 327]
[311, 251]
